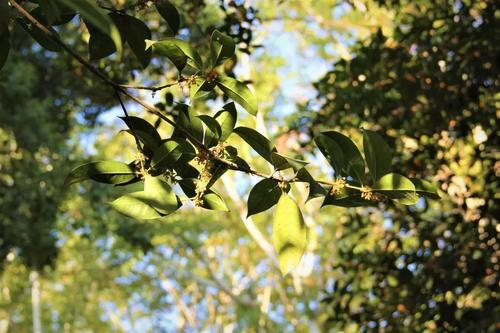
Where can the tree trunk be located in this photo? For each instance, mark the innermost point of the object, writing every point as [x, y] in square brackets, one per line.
[35, 301]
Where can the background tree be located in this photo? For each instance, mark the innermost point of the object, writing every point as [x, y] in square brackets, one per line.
[204, 273]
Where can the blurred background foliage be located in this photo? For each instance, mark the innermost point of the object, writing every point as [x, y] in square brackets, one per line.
[422, 73]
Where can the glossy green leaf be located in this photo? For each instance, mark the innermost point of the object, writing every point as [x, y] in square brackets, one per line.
[91, 12]
[188, 152]
[166, 155]
[217, 171]
[232, 153]
[40, 37]
[170, 14]
[289, 233]
[354, 164]
[212, 130]
[222, 48]
[282, 162]
[425, 188]
[332, 152]
[377, 153]
[109, 172]
[264, 195]
[238, 92]
[5, 42]
[189, 121]
[213, 201]
[257, 141]
[200, 88]
[136, 205]
[395, 186]
[178, 51]
[135, 32]
[145, 132]
[160, 194]
[227, 120]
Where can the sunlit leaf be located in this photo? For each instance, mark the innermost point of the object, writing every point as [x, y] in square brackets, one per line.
[109, 172]
[257, 141]
[178, 51]
[222, 48]
[136, 205]
[238, 92]
[395, 186]
[289, 233]
[166, 155]
[227, 120]
[160, 194]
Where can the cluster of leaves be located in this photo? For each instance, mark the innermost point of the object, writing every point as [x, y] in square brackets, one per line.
[195, 155]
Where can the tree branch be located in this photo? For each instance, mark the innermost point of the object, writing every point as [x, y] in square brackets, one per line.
[149, 108]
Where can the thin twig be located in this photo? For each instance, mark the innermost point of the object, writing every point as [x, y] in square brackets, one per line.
[153, 88]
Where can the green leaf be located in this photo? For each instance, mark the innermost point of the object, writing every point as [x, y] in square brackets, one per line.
[97, 17]
[178, 51]
[212, 130]
[264, 195]
[257, 141]
[238, 92]
[145, 132]
[217, 171]
[289, 233]
[395, 186]
[377, 153]
[160, 194]
[136, 205]
[315, 189]
[5, 42]
[189, 121]
[200, 88]
[170, 14]
[354, 164]
[166, 155]
[233, 157]
[109, 172]
[227, 120]
[40, 37]
[222, 48]
[211, 199]
[282, 162]
[332, 152]
[135, 32]
[425, 188]
[188, 152]
[100, 44]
